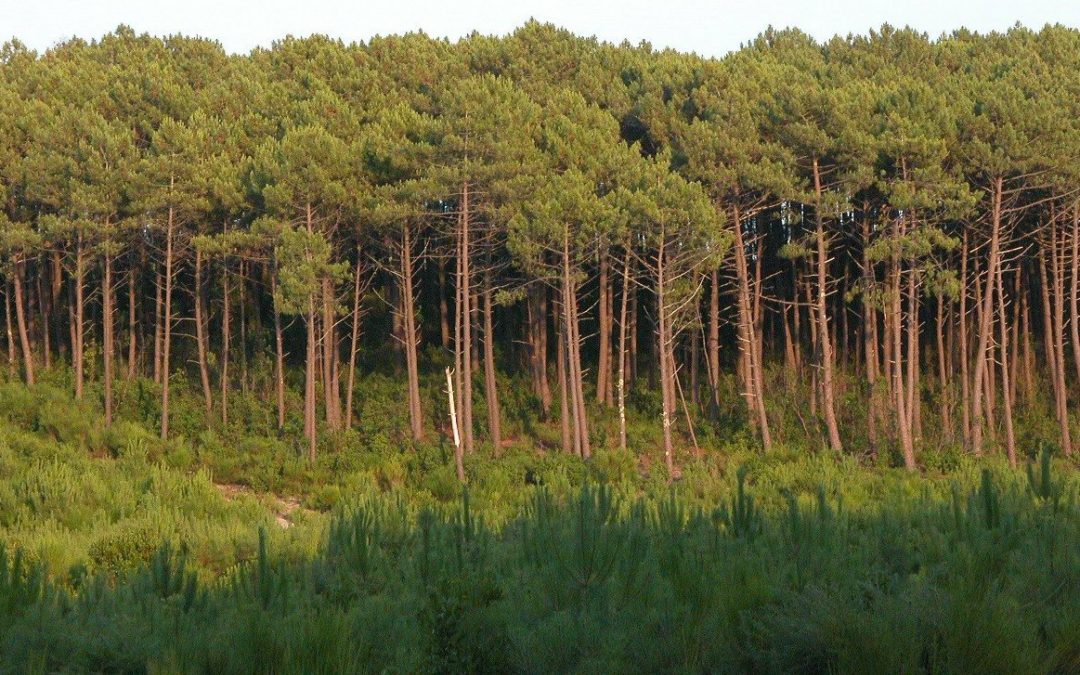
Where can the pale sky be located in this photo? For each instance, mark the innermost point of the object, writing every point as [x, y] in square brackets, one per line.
[710, 28]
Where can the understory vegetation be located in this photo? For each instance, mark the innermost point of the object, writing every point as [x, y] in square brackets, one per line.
[215, 552]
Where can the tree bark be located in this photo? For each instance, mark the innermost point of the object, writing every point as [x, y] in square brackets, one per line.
[10, 333]
[663, 345]
[713, 342]
[603, 368]
[965, 392]
[444, 309]
[133, 324]
[1074, 287]
[416, 420]
[354, 344]
[200, 337]
[279, 357]
[900, 398]
[753, 383]
[1003, 323]
[827, 387]
[226, 337]
[464, 321]
[985, 316]
[1059, 332]
[166, 331]
[20, 319]
[621, 384]
[491, 389]
[574, 372]
[459, 455]
[79, 354]
[107, 338]
[568, 439]
[159, 285]
[331, 385]
[870, 337]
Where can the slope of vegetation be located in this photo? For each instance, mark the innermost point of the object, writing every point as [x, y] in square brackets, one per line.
[864, 572]
[120, 552]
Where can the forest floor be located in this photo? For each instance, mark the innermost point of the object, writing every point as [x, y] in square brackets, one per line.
[283, 508]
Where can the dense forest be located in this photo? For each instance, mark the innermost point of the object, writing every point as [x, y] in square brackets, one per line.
[885, 226]
[763, 363]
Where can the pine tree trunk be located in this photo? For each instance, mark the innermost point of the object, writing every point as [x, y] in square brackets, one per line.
[444, 309]
[695, 355]
[965, 392]
[331, 384]
[713, 346]
[1014, 341]
[10, 334]
[166, 330]
[226, 338]
[200, 337]
[986, 310]
[159, 286]
[621, 383]
[633, 356]
[465, 319]
[542, 349]
[603, 368]
[1074, 287]
[663, 344]
[133, 325]
[1029, 352]
[46, 312]
[107, 338]
[279, 357]
[1003, 321]
[354, 344]
[310, 430]
[1058, 268]
[939, 326]
[20, 319]
[913, 398]
[753, 382]
[568, 443]
[870, 337]
[537, 324]
[416, 419]
[79, 354]
[577, 403]
[899, 395]
[491, 390]
[243, 291]
[827, 387]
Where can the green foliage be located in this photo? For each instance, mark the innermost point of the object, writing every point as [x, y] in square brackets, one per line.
[931, 579]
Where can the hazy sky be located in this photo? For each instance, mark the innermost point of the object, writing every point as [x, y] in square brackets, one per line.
[711, 28]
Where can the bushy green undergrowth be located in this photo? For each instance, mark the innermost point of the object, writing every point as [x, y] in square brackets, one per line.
[983, 576]
[224, 550]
